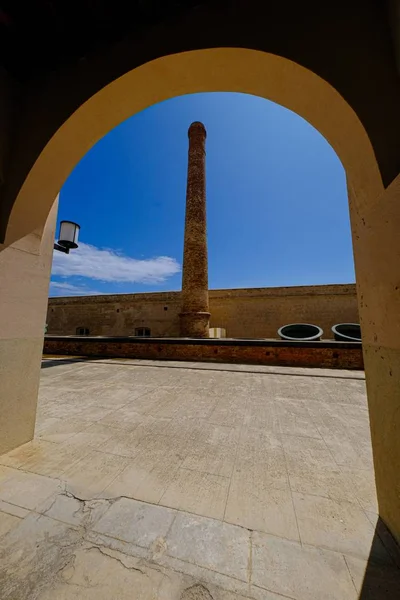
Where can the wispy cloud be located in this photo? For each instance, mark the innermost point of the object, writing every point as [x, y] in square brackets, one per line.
[107, 265]
[59, 288]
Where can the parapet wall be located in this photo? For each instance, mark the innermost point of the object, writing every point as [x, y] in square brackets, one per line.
[244, 313]
[325, 354]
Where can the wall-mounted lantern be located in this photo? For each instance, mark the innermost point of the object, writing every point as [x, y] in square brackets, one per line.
[68, 238]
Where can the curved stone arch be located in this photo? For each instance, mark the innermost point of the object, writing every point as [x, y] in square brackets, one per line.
[374, 214]
[213, 70]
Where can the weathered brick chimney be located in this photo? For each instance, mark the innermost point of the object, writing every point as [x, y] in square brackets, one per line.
[195, 316]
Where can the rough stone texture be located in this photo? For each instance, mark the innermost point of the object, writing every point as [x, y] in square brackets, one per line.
[195, 316]
[317, 354]
[247, 313]
[85, 516]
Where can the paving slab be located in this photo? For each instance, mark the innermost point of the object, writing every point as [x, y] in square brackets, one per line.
[198, 492]
[254, 504]
[190, 481]
[136, 522]
[146, 476]
[299, 572]
[374, 581]
[8, 522]
[89, 476]
[211, 544]
[26, 490]
[337, 525]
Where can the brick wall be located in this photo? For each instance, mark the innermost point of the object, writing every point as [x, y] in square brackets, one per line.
[328, 354]
[244, 313]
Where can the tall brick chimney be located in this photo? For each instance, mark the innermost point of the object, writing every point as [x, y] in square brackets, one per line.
[195, 316]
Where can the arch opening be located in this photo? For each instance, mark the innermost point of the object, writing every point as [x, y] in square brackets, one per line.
[265, 194]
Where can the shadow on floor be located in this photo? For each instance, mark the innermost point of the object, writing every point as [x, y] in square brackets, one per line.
[190, 366]
[378, 581]
[54, 362]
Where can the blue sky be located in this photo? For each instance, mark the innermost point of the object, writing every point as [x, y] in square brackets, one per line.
[276, 201]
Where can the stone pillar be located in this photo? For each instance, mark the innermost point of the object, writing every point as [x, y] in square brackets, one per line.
[24, 274]
[195, 316]
[376, 243]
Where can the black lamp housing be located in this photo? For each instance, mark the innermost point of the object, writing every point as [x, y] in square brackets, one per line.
[69, 232]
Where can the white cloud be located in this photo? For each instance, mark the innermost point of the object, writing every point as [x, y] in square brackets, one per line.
[59, 288]
[107, 265]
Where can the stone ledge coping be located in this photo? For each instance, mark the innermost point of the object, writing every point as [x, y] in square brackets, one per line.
[335, 289]
[333, 344]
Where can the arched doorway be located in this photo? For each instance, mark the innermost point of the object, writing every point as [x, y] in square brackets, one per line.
[373, 209]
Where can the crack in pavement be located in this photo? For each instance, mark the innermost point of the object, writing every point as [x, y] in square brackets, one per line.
[103, 551]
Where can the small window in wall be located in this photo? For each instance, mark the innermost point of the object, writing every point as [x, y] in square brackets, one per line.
[82, 331]
[142, 331]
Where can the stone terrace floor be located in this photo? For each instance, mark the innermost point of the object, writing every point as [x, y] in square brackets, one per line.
[188, 481]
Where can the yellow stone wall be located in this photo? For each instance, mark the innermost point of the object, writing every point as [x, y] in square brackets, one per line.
[257, 312]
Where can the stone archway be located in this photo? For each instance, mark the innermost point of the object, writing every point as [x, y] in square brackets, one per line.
[375, 216]
[214, 70]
